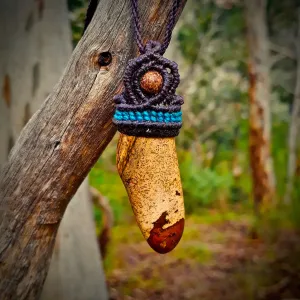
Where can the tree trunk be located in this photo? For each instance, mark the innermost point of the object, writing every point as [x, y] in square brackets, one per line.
[76, 269]
[294, 127]
[260, 95]
[61, 142]
[33, 55]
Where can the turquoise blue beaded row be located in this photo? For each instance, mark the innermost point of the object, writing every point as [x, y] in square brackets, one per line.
[148, 116]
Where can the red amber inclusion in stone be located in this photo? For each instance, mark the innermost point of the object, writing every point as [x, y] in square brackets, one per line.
[165, 240]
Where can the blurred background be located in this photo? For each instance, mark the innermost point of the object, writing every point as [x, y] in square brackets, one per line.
[238, 150]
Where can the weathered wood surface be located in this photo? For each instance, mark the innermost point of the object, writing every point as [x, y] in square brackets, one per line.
[61, 143]
[150, 172]
[76, 269]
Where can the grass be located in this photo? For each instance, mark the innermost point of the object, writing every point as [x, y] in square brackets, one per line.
[194, 251]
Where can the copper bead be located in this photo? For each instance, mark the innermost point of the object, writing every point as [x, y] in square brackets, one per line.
[151, 82]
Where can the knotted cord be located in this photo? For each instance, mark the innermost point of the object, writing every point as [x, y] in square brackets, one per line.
[169, 29]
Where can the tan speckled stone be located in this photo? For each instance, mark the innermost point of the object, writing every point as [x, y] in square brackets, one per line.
[149, 170]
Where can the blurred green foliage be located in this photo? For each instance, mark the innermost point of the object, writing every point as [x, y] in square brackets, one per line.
[106, 180]
[77, 10]
[202, 186]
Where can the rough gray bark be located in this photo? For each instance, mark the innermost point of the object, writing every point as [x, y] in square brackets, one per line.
[34, 52]
[260, 96]
[76, 269]
[61, 142]
[294, 126]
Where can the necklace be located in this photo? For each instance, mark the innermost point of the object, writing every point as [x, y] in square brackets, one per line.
[148, 117]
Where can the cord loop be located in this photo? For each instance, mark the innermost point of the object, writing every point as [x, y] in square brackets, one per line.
[168, 34]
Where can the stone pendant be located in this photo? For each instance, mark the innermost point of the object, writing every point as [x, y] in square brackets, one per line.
[149, 170]
[148, 117]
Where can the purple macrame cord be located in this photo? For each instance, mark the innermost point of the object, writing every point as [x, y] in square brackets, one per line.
[169, 29]
[141, 114]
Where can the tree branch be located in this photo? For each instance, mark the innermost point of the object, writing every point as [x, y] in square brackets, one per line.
[61, 143]
[107, 219]
[283, 52]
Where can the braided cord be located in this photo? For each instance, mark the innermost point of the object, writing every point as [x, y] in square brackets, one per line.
[170, 26]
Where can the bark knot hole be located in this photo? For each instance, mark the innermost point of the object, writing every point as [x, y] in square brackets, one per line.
[104, 59]
[56, 144]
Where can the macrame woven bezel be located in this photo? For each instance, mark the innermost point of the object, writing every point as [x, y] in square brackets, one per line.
[140, 114]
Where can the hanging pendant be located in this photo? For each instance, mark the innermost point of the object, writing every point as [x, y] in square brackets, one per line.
[148, 115]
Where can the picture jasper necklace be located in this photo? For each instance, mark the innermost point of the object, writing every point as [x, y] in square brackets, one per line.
[148, 117]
